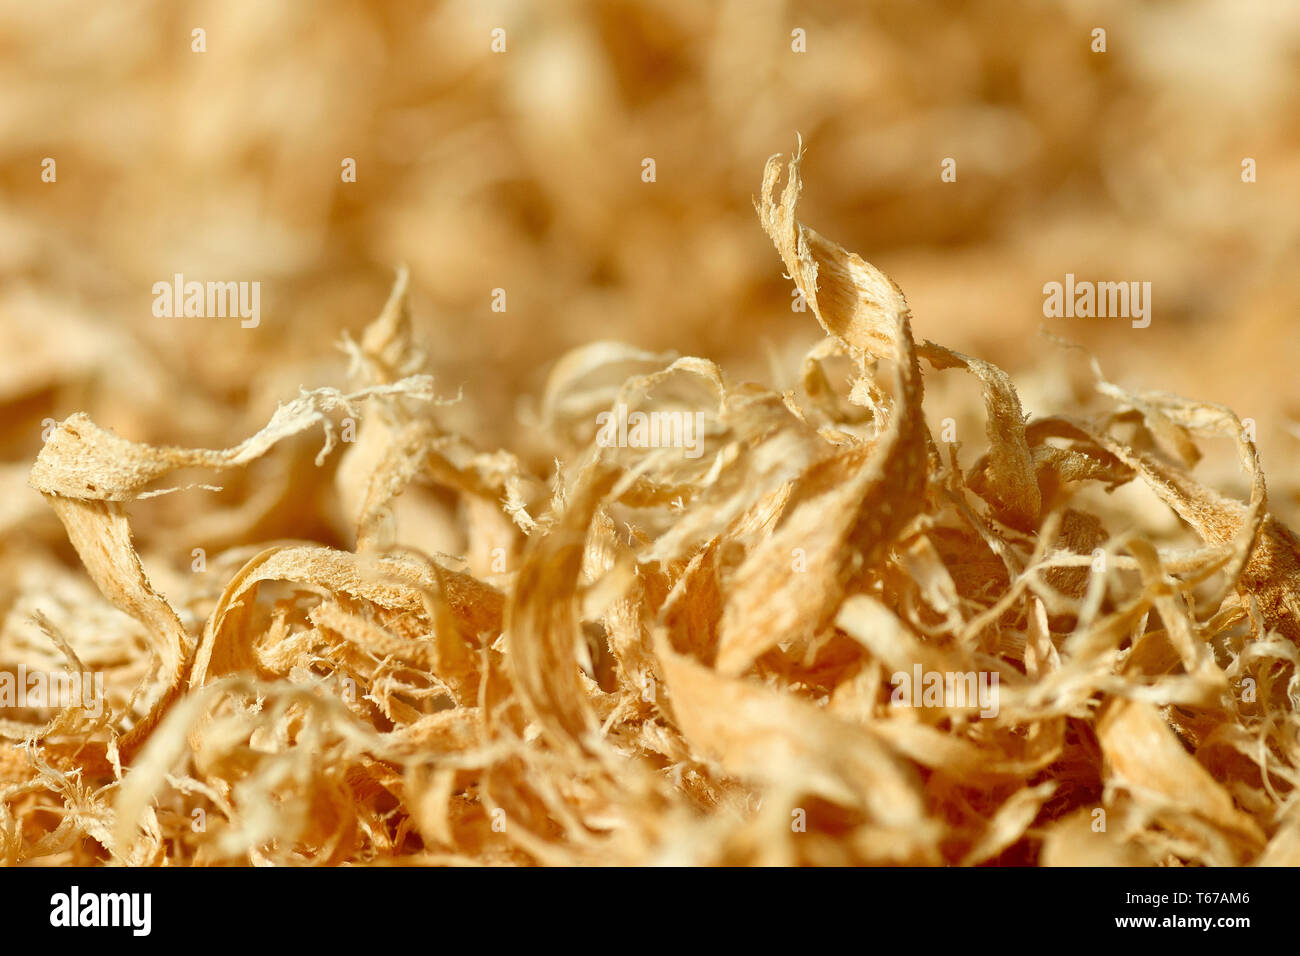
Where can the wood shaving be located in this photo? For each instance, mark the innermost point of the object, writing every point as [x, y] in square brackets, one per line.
[646, 657]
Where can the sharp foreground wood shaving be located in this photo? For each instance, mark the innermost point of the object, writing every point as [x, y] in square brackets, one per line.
[648, 657]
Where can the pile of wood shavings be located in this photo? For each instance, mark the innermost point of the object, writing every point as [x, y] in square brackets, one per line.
[646, 657]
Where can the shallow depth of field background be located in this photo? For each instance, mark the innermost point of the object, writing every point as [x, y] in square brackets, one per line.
[522, 171]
